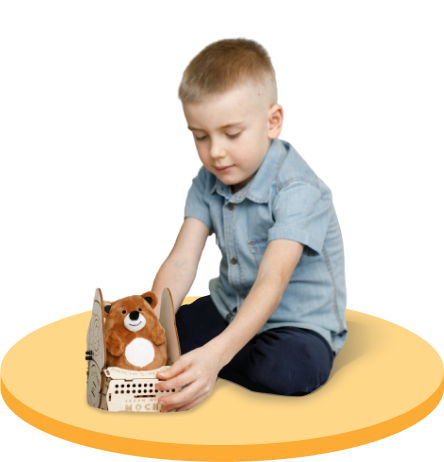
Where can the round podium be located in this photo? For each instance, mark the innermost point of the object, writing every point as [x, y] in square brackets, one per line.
[384, 380]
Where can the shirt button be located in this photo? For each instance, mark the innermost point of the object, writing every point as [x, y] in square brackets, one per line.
[230, 206]
[242, 295]
[234, 260]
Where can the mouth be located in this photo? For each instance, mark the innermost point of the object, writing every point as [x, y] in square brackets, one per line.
[134, 325]
[223, 169]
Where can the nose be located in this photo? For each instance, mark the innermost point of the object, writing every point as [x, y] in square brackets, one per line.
[134, 315]
[217, 150]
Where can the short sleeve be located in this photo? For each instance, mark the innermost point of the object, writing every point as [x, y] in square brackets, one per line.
[302, 213]
[195, 205]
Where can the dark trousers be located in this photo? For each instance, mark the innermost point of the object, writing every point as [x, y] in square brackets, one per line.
[283, 361]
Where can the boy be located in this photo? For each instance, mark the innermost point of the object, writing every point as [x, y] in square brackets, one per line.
[275, 316]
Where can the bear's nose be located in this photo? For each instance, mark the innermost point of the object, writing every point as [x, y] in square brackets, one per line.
[134, 315]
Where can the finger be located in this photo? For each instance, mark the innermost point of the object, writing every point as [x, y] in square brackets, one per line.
[168, 385]
[178, 382]
[193, 403]
[165, 377]
[179, 366]
[167, 382]
[170, 402]
[172, 384]
[180, 399]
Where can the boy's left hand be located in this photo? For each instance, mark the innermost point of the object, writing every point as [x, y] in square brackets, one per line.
[199, 368]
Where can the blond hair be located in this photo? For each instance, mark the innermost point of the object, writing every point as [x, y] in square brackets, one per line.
[225, 65]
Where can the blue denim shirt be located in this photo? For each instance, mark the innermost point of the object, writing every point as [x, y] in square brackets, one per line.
[284, 200]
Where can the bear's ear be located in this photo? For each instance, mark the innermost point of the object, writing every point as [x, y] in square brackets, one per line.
[150, 298]
[106, 308]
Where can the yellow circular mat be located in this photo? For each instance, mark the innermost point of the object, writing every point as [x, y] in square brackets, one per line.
[380, 373]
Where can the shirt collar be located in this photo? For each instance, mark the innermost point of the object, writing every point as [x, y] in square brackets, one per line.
[257, 190]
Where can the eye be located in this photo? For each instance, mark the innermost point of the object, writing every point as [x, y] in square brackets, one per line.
[124, 311]
[140, 309]
[229, 136]
[202, 138]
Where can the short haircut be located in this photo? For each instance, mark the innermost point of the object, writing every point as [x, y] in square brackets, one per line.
[228, 64]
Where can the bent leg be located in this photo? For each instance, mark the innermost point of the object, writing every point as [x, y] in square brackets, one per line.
[285, 360]
[198, 323]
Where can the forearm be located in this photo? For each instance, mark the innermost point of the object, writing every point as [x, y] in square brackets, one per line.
[260, 304]
[178, 278]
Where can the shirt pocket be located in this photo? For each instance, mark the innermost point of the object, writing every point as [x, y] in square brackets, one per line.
[257, 248]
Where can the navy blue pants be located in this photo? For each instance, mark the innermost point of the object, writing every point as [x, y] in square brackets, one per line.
[283, 361]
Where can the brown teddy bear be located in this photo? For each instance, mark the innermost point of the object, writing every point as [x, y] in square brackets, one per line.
[134, 337]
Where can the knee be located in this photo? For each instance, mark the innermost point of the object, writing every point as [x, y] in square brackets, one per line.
[292, 380]
[270, 372]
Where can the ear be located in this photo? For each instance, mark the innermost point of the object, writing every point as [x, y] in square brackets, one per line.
[106, 308]
[150, 298]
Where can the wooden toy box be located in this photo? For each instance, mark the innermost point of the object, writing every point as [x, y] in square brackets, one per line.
[116, 389]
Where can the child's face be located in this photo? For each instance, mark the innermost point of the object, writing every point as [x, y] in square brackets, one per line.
[241, 146]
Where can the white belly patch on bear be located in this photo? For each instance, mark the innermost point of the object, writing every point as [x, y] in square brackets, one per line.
[140, 352]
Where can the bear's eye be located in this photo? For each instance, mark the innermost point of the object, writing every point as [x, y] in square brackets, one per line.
[140, 309]
[124, 311]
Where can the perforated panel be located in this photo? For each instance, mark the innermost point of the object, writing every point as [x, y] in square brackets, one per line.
[137, 395]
